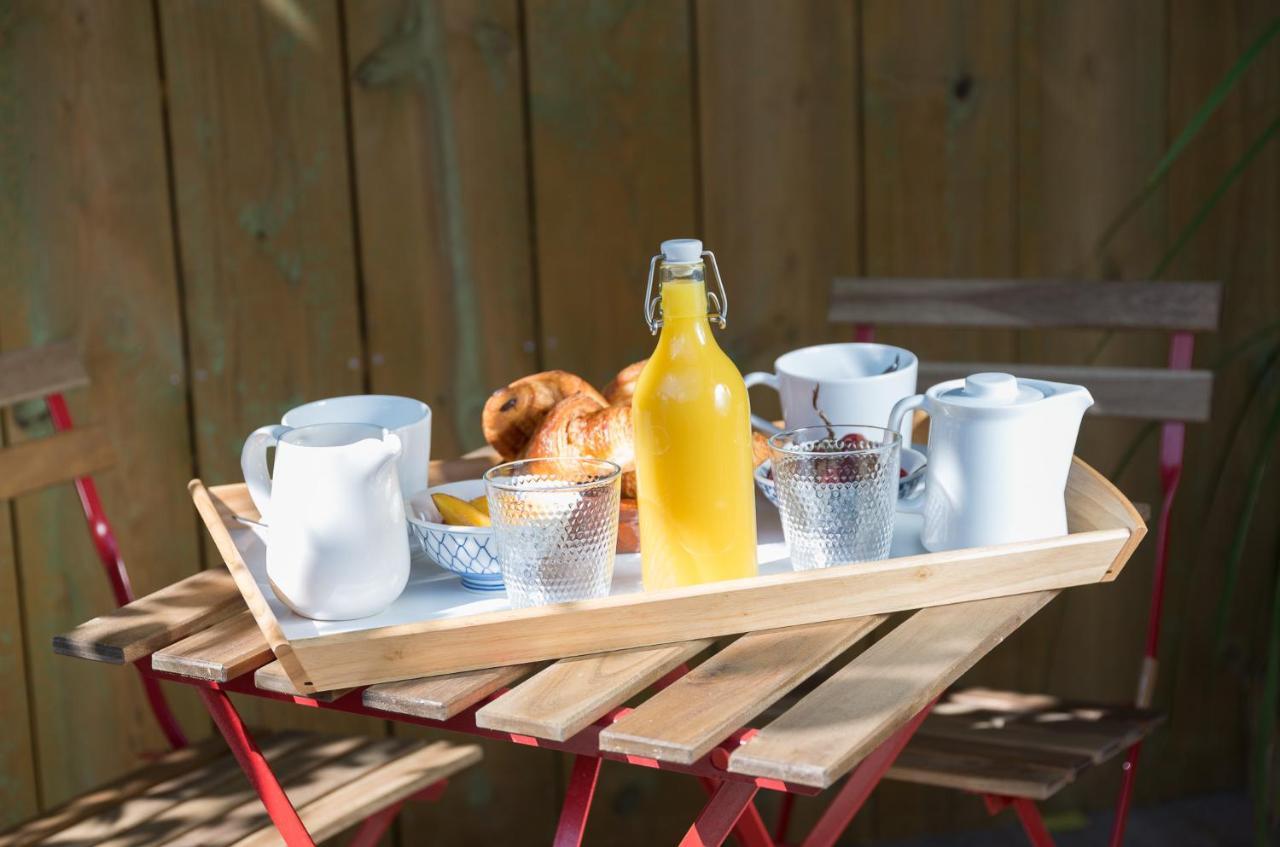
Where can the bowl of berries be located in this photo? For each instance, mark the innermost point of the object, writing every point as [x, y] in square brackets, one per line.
[910, 475]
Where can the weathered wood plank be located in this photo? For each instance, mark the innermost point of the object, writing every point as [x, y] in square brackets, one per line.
[88, 254]
[685, 720]
[38, 371]
[441, 697]
[221, 652]
[938, 126]
[263, 202]
[442, 194]
[566, 697]
[1157, 394]
[1027, 304]
[154, 621]
[780, 209]
[823, 736]
[61, 457]
[611, 120]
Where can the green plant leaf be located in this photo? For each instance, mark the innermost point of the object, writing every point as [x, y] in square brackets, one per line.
[1189, 132]
[1237, 421]
[1266, 728]
[1126, 458]
[1233, 173]
[1253, 494]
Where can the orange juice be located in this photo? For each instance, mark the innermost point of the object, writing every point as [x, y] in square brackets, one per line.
[693, 441]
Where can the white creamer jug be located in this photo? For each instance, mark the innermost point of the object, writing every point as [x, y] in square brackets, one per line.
[337, 544]
[999, 452]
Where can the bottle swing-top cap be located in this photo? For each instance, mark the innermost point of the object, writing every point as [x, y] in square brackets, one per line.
[684, 251]
[681, 250]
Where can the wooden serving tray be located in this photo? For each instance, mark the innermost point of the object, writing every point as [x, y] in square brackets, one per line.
[1103, 527]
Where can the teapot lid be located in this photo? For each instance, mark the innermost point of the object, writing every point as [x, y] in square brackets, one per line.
[991, 390]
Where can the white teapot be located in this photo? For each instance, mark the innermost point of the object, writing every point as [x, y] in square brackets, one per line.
[999, 452]
[337, 543]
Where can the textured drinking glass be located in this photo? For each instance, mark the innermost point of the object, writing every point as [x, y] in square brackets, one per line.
[556, 524]
[837, 489]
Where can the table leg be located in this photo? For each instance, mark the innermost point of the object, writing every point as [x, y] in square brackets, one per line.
[750, 829]
[256, 768]
[1032, 824]
[720, 815]
[375, 826]
[865, 777]
[577, 801]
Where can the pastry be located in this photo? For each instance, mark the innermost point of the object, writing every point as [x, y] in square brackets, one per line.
[512, 414]
[620, 391]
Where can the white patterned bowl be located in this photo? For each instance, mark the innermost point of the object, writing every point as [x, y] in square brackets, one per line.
[468, 551]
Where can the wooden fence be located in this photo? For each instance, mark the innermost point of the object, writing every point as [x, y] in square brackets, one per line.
[238, 206]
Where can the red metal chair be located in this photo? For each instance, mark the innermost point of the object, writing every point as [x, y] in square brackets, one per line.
[1006, 746]
[154, 804]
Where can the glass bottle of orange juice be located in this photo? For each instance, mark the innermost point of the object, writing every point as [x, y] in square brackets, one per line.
[692, 433]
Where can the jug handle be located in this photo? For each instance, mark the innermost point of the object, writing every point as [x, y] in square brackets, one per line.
[915, 503]
[762, 378]
[253, 463]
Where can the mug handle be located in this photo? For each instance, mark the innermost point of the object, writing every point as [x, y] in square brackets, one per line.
[771, 380]
[915, 503]
[253, 463]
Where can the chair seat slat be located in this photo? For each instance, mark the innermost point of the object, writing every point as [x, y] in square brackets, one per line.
[1156, 394]
[1016, 303]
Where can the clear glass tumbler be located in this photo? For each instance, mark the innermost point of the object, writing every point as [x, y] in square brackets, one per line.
[837, 489]
[556, 525]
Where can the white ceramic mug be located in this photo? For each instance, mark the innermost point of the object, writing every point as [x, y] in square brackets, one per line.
[851, 383]
[336, 532]
[409, 419]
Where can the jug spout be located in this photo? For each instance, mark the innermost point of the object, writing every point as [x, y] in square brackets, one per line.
[1070, 398]
[391, 449]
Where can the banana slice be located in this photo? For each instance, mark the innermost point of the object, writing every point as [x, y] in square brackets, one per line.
[458, 512]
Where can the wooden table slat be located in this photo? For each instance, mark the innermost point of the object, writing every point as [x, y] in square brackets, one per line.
[686, 719]
[220, 653]
[562, 699]
[441, 697]
[154, 621]
[830, 730]
[271, 677]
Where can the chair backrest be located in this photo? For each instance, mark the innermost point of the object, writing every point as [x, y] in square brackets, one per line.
[1173, 395]
[40, 372]
[70, 454]
[1176, 393]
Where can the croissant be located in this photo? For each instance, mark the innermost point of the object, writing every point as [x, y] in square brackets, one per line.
[582, 425]
[623, 388]
[512, 414]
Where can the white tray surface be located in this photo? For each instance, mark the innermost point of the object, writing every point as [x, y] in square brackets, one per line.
[436, 594]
